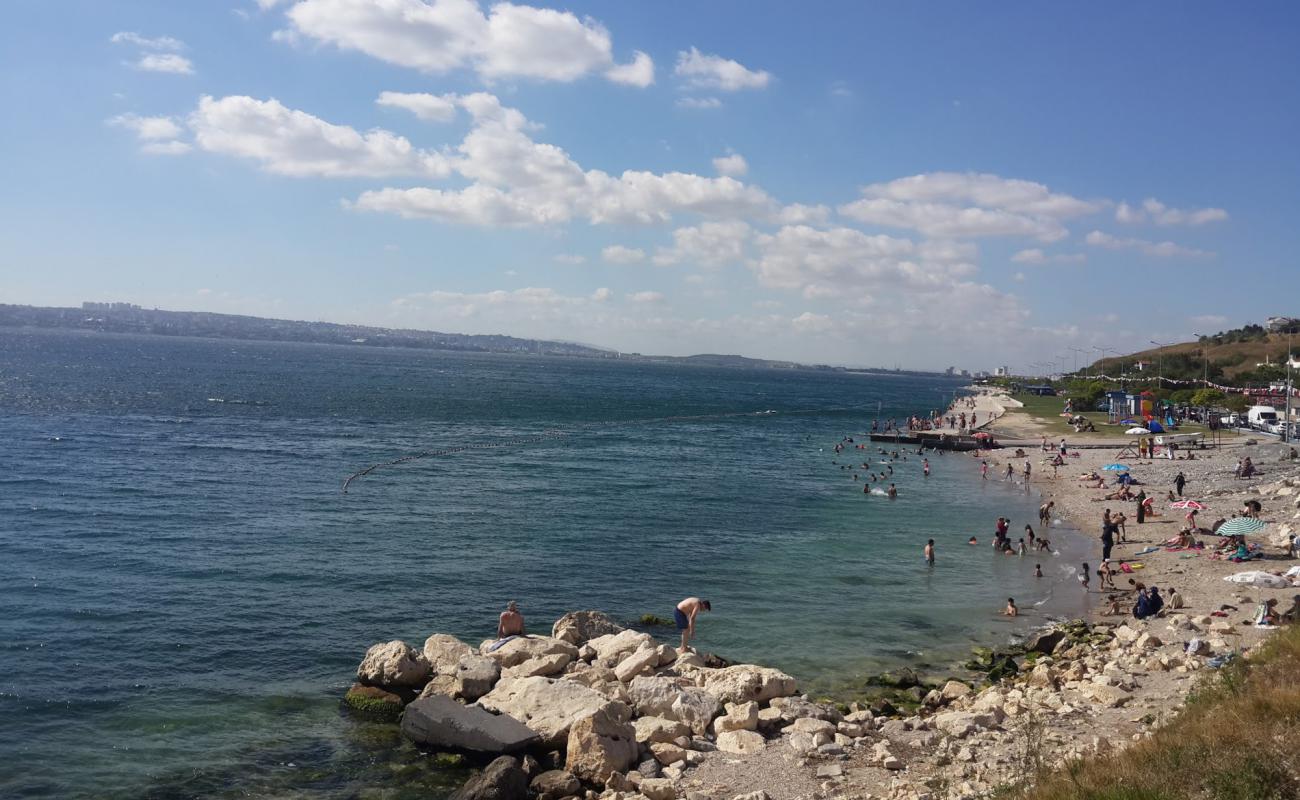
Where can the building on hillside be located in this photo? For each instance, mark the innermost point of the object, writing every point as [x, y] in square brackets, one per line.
[1283, 325]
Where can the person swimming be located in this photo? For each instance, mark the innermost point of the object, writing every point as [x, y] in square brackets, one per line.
[1011, 610]
[1038, 570]
[972, 540]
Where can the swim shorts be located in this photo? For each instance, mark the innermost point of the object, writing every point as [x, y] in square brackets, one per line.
[682, 622]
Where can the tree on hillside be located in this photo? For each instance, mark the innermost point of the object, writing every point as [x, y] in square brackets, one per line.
[1237, 402]
[1208, 397]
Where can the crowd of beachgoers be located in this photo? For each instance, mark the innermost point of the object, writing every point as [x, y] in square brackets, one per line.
[596, 710]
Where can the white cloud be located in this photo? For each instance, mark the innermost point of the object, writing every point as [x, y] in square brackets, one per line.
[808, 322]
[601, 295]
[949, 204]
[511, 41]
[798, 256]
[1156, 249]
[800, 214]
[639, 72]
[435, 108]
[1019, 277]
[1154, 211]
[157, 135]
[165, 62]
[571, 259]
[174, 148]
[518, 181]
[618, 254]
[733, 165]
[148, 128]
[699, 103]
[710, 244]
[290, 142]
[1210, 321]
[1035, 255]
[646, 297]
[156, 43]
[706, 71]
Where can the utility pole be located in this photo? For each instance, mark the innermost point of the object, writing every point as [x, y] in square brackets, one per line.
[1077, 351]
[1286, 429]
[1160, 362]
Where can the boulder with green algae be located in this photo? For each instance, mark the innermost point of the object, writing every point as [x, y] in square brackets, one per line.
[373, 702]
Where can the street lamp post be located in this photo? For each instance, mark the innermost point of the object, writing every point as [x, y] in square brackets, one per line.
[1077, 351]
[1160, 362]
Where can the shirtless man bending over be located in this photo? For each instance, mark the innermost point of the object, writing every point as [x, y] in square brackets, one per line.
[512, 622]
[685, 615]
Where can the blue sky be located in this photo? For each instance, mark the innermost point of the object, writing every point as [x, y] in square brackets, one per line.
[924, 183]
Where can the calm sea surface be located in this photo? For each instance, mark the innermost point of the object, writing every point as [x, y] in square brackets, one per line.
[185, 592]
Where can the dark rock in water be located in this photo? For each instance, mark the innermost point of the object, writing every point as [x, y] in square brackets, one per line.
[554, 784]
[714, 661]
[904, 678]
[1045, 642]
[373, 702]
[441, 722]
[883, 708]
[917, 693]
[503, 779]
[1004, 666]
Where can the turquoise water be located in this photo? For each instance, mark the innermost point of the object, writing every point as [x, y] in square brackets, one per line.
[187, 592]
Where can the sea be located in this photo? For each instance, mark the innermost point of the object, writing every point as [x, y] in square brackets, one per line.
[186, 590]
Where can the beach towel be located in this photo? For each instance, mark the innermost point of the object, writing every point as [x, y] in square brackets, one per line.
[1259, 578]
[500, 643]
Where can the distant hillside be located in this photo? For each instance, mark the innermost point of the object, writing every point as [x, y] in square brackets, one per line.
[1231, 355]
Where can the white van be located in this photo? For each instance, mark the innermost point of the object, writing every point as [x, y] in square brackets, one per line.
[1262, 418]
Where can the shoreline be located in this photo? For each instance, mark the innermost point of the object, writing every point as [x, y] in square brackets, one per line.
[708, 731]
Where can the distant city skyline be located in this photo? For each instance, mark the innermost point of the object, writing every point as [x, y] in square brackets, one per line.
[926, 184]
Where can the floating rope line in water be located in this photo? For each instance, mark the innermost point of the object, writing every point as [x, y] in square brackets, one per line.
[559, 434]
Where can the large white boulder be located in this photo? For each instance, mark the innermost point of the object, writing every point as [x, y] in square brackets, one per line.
[640, 662]
[664, 697]
[599, 745]
[444, 651]
[548, 706]
[741, 742]
[612, 648]
[579, 627]
[394, 665]
[523, 648]
[745, 682]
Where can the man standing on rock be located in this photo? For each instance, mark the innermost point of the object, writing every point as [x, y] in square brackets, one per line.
[512, 622]
[685, 614]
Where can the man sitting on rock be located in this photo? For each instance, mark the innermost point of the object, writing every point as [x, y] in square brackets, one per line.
[685, 614]
[512, 622]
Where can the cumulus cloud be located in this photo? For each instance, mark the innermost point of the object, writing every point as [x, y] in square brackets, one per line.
[572, 259]
[808, 322]
[165, 62]
[157, 135]
[147, 43]
[646, 297]
[290, 142]
[800, 214]
[618, 254]
[639, 72]
[1156, 249]
[733, 165]
[960, 205]
[699, 103]
[1035, 255]
[1156, 212]
[510, 41]
[709, 244]
[705, 71]
[518, 181]
[845, 259]
[431, 107]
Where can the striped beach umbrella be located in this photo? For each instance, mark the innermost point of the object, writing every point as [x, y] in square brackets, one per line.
[1192, 504]
[1240, 526]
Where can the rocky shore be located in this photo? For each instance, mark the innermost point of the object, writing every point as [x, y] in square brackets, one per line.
[600, 711]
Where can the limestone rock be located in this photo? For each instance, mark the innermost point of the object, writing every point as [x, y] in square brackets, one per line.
[664, 697]
[393, 665]
[474, 676]
[953, 690]
[612, 648]
[960, 724]
[440, 721]
[503, 779]
[544, 666]
[666, 753]
[580, 627]
[811, 726]
[642, 661]
[745, 682]
[522, 648]
[650, 730]
[658, 789]
[555, 784]
[741, 742]
[547, 705]
[739, 717]
[1107, 696]
[443, 652]
[792, 708]
[600, 744]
